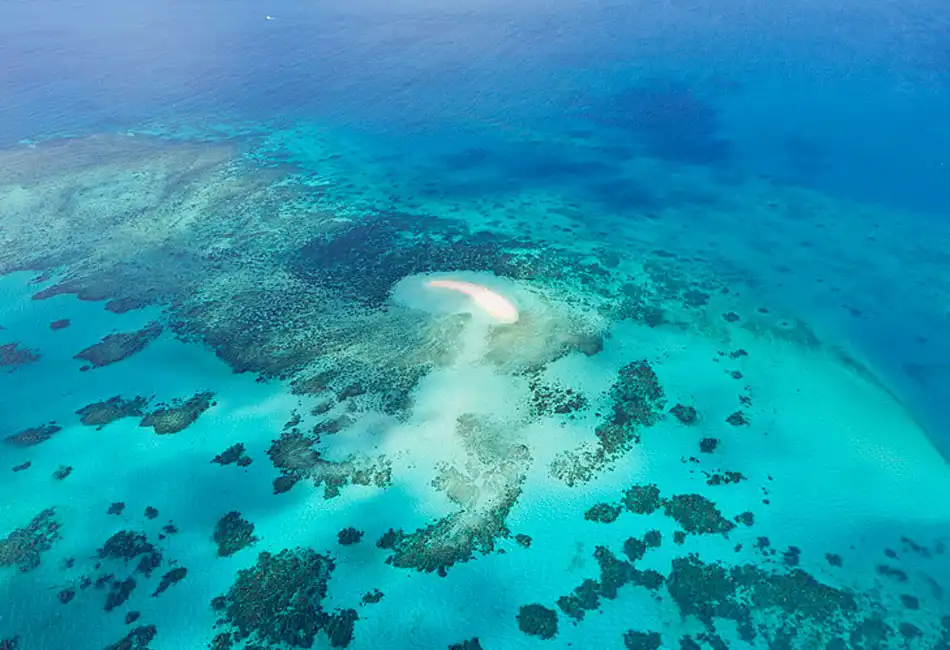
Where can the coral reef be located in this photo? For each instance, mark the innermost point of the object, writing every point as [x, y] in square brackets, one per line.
[33, 435]
[637, 402]
[538, 620]
[604, 513]
[116, 347]
[614, 574]
[372, 597]
[60, 324]
[170, 578]
[349, 536]
[485, 492]
[554, 400]
[233, 454]
[468, 644]
[137, 639]
[25, 546]
[711, 590]
[12, 355]
[232, 533]
[119, 593]
[279, 601]
[633, 640]
[179, 415]
[685, 414]
[99, 414]
[127, 545]
[294, 454]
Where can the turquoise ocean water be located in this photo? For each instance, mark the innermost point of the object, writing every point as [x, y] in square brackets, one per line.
[235, 411]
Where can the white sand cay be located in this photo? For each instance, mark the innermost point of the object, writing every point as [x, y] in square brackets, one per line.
[495, 305]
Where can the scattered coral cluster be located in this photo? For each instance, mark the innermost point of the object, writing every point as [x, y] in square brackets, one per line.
[637, 402]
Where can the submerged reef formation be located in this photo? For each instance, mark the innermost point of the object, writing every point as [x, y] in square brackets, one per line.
[179, 415]
[777, 607]
[485, 490]
[33, 435]
[99, 414]
[637, 402]
[116, 347]
[24, 547]
[13, 356]
[296, 455]
[138, 638]
[233, 454]
[279, 601]
[233, 533]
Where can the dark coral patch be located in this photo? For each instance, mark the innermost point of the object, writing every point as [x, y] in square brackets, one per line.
[642, 499]
[126, 545]
[233, 533]
[233, 454]
[744, 593]
[138, 639]
[738, 419]
[60, 324]
[637, 401]
[349, 536]
[11, 355]
[469, 644]
[99, 414]
[685, 414]
[179, 415]
[24, 546]
[280, 601]
[633, 640]
[33, 435]
[538, 620]
[614, 574]
[174, 576]
[295, 454]
[555, 400]
[697, 514]
[119, 593]
[604, 513]
[116, 347]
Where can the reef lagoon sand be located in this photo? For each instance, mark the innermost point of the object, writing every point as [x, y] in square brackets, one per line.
[236, 414]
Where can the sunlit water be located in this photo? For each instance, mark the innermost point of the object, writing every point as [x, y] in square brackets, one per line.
[680, 381]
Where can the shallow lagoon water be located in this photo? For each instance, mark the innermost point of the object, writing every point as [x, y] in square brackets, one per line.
[233, 418]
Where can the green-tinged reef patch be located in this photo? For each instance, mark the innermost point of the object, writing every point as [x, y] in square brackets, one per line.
[12, 356]
[24, 547]
[179, 415]
[33, 436]
[279, 602]
[100, 414]
[116, 347]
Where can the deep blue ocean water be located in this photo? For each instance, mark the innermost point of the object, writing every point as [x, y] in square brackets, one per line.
[484, 101]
